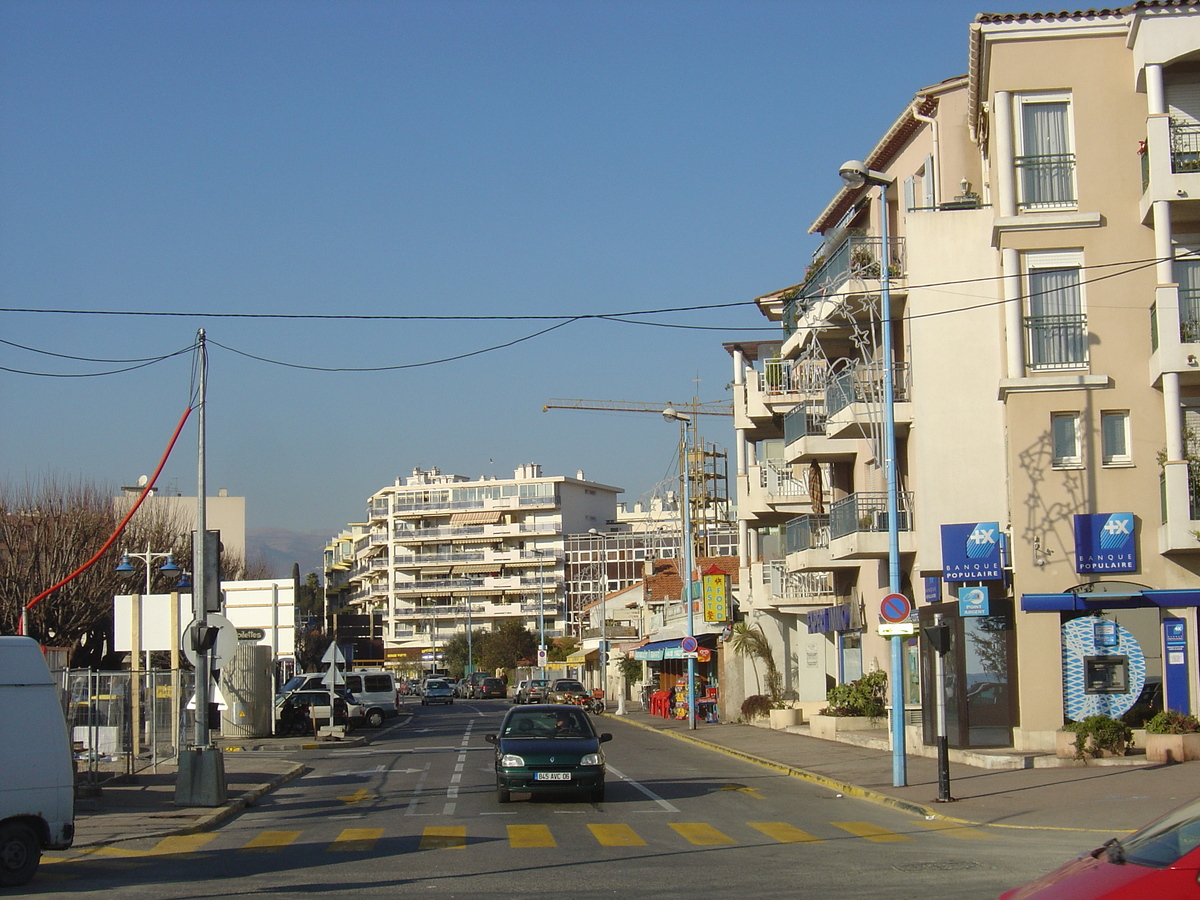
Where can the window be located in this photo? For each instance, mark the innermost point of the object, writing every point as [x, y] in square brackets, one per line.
[1064, 428]
[1114, 437]
[1045, 153]
[1187, 274]
[1056, 326]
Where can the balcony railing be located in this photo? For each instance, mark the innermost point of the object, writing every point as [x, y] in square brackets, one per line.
[802, 421]
[1047, 182]
[864, 384]
[1185, 146]
[808, 532]
[1057, 342]
[856, 257]
[1189, 315]
[776, 479]
[867, 512]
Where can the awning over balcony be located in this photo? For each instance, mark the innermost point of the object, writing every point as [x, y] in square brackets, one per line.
[476, 517]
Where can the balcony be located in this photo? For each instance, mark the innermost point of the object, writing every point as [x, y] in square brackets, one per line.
[807, 589]
[1179, 485]
[1056, 342]
[856, 397]
[858, 525]
[473, 532]
[856, 258]
[1046, 182]
[806, 436]
[1171, 169]
[771, 487]
[1185, 146]
[806, 533]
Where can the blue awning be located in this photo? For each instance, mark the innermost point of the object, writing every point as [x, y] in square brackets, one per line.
[657, 650]
[1084, 602]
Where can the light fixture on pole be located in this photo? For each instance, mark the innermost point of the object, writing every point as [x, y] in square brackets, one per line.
[169, 567]
[855, 174]
[686, 422]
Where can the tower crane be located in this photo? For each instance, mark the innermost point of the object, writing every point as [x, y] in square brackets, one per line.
[700, 409]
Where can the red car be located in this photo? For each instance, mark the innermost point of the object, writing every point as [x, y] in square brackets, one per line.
[1161, 860]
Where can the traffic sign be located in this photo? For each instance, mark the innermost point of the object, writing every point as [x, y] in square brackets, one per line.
[895, 608]
[541, 658]
[224, 648]
[688, 644]
[903, 628]
[333, 656]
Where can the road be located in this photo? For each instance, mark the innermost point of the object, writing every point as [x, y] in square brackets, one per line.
[415, 811]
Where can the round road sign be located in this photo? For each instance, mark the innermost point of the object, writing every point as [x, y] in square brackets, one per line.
[688, 644]
[895, 608]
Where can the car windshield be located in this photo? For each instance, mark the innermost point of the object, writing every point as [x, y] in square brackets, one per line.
[539, 682]
[552, 723]
[435, 685]
[292, 684]
[565, 685]
[1162, 843]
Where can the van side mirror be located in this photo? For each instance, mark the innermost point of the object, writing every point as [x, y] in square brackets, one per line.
[605, 737]
[490, 738]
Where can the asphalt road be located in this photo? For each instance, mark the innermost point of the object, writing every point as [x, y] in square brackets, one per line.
[415, 811]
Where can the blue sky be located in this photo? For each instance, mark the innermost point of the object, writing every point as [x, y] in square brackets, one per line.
[412, 158]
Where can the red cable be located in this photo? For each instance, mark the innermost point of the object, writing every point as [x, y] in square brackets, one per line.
[116, 534]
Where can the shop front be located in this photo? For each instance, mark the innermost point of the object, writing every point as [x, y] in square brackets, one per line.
[666, 687]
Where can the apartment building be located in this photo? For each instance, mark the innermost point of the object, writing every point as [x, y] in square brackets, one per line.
[1043, 215]
[441, 553]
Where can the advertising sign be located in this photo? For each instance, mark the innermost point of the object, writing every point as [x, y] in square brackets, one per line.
[716, 597]
[1105, 542]
[1175, 674]
[933, 589]
[971, 552]
[972, 601]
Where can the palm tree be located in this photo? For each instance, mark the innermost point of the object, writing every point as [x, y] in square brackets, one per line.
[751, 641]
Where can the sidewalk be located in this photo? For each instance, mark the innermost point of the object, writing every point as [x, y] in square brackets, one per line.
[1099, 798]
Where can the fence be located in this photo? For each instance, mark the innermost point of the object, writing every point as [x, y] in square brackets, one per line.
[121, 723]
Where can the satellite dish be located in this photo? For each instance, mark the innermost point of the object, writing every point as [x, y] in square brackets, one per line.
[142, 479]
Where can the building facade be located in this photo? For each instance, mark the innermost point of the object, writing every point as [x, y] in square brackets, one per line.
[1043, 221]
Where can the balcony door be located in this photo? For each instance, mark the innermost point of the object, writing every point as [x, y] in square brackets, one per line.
[1045, 153]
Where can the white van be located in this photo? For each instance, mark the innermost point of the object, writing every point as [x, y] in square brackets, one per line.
[37, 792]
[376, 689]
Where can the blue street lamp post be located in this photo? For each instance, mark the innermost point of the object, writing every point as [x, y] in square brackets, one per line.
[855, 175]
[686, 421]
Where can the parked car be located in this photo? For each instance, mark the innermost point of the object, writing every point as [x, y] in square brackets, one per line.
[437, 690]
[536, 691]
[1161, 860]
[548, 748]
[491, 688]
[471, 684]
[374, 690]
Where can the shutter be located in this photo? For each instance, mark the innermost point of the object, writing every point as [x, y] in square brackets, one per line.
[1183, 100]
[930, 187]
[910, 193]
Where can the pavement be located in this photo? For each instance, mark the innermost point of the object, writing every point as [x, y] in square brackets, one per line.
[1104, 799]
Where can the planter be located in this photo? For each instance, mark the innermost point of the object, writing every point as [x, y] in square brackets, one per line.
[1064, 746]
[782, 718]
[827, 727]
[1172, 747]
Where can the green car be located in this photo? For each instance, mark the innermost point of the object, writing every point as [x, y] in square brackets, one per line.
[548, 749]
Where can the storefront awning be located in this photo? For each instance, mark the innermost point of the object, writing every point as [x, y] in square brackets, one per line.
[656, 650]
[578, 659]
[1084, 602]
[476, 517]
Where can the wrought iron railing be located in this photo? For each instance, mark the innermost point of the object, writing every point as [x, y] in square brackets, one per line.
[1047, 182]
[856, 257]
[1057, 342]
[1189, 315]
[864, 384]
[1185, 146]
[867, 511]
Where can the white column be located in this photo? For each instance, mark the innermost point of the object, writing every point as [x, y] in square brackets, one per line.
[1010, 264]
[1156, 103]
[743, 543]
[1005, 152]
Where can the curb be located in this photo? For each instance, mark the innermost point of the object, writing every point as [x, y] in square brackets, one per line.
[211, 820]
[842, 787]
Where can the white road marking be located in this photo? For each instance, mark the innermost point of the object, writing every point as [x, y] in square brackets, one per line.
[645, 790]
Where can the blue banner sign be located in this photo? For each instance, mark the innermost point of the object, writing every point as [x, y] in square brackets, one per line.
[1175, 675]
[1105, 542]
[971, 552]
[972, 601]
[933, 589]
[829, 619]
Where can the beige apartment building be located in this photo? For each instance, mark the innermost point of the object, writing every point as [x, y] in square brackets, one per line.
[1044, 256]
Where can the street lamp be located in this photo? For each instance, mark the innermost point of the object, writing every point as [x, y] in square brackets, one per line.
[855, 175]
[541, 617]
[170, 567]
[686, 422]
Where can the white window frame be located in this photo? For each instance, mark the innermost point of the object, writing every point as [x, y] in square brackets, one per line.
[1054, 259]
[1072, 461]
[1020, 102]
[1107, 456]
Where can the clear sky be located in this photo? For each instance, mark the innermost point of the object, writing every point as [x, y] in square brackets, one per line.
[307, 158]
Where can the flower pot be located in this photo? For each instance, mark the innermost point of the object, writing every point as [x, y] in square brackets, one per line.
[782, 718]
[827, 727]
[1064, 746]
[1172, 747]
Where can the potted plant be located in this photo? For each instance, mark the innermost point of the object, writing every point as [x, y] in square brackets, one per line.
[756, 706]
[1172, 736]
[1094, 737]
[852, 707]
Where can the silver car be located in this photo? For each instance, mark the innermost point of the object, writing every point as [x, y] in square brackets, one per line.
[437, 691]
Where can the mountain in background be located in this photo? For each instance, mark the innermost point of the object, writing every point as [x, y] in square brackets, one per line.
[278, 549]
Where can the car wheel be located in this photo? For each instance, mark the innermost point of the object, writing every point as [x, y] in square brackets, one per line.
[375, 718]
[502, 794]
[598, 794]
[19, 854]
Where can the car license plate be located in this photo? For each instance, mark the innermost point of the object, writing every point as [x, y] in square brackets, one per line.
[551, 776]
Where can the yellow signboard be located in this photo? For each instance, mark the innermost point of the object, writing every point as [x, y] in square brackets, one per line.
[716, 598]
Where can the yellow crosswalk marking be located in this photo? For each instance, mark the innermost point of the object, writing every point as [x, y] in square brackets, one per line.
[357, 797]
[616, 836]
[784, 833]
[701, 834]
[181, 843]
[952, 829]
[871, 832]
[272, 840]
[444, 837]
[530, 836]
[356, 839]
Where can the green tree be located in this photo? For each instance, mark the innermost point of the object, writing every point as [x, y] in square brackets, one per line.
[456, 652]
[510, 642]
[310, 598]
[561, 648]
[751, 641]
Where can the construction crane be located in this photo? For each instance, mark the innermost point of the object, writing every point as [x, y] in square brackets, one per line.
[700, 409]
